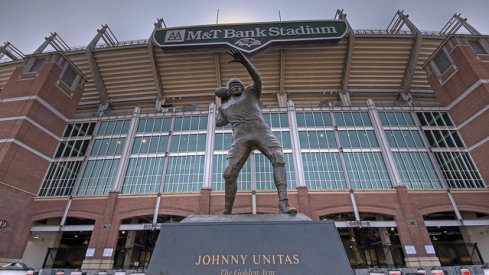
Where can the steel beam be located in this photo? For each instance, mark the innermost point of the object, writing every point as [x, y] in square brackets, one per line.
[344, 92]
[97, 78]
[160, 93]
[399, 20]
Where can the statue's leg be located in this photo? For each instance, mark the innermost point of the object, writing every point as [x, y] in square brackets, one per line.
[273, 151]
[237, 156]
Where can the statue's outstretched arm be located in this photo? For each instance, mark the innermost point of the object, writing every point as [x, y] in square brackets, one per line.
[238, 56]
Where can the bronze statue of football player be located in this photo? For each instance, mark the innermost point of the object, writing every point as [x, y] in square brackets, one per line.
[241, 107]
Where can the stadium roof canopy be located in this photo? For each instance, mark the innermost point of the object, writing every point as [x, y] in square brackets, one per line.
[385, 64]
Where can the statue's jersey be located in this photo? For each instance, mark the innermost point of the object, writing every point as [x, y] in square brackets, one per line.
[243, 109]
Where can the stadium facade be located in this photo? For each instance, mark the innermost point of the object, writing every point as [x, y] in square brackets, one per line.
[385, 132]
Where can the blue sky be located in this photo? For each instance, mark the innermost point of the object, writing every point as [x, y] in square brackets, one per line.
[25, 23]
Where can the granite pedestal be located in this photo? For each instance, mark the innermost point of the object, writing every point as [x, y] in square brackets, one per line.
[249, 245]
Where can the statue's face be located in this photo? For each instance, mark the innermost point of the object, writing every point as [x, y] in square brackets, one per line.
[236, 88]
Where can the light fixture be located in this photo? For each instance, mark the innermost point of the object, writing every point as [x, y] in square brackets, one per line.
[36, 236]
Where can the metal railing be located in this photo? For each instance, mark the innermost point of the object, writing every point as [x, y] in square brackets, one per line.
[393, 255]
[368, 256]
[459, 254]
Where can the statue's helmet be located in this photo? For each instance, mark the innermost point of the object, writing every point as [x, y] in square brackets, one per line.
[234, 80]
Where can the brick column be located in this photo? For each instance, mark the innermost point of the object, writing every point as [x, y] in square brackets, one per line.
[104, 236]
[413, 233]
[35, 105]
[304, 205]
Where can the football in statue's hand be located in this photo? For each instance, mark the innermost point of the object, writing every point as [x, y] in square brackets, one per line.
[222, 93]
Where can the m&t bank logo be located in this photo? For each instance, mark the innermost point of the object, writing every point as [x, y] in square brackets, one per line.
[175, 36]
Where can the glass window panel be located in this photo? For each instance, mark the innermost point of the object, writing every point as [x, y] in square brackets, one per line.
[68, 148]
[318, 119]
[150, 123]
[408, 139]
[357, 119]
[158, 124]
[144, 145]
[366, 119]
[372, 139]
[186, 124]
[195, 123]
[448, 138]
[442, 62]
[323, 171]
[83, 130]
[416, 170]
[322, 139]
[201, 140]
[175, 143]
[68, 130]
[37, 64]
[421, 119]
[304, 140]
[97, 145]
[102, 128]
[162, 144]
[118, 127]
[354, 138]
[418, 142]
[301, 119]
[110, 128]
[344, 139]
[363, 138]
[78, 147]
[91, 128]
[477, 46]
[112, 147]
[192, 143]
[340, 119]
[141, 125]
[398, 135]
[391, 119]
[76, 129]
[153, 144]
[143, 175]
[60, 178]
[447, 119]
[218, 141]
[457, 139]
[69, 76]
[98, 177]
[383, 118]
[408, 118]
[136, 146]
[367, 171]
[284, 120]
[458, 170]
[184, 174]
[309, 119]
[60, 150]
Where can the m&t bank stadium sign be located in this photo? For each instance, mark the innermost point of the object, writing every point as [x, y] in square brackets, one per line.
[250, 37]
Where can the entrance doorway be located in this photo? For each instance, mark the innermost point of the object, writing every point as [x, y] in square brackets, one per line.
[369, 243]
[135, 246]
[454, 245]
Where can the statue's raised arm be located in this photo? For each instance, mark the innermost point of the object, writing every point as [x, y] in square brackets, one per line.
[238, 56]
